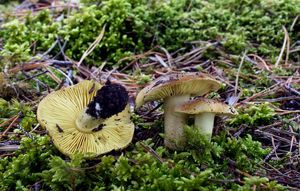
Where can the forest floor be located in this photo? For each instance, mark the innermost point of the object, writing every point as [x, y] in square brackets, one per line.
[251, 47]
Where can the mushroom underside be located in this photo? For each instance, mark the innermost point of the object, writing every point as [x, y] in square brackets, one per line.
[59, 111]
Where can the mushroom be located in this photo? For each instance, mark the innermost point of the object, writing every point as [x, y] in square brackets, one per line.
[205, 111]
[87, 118]
[175, 89]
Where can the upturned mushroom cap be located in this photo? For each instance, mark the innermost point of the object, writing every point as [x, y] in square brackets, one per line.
[58, 112]
[203, 105]
[194, 84]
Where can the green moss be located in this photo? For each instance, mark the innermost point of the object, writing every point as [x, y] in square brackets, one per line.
[22, 40]
[142, 79]
[203, 165]
[254, 115]
[6, 8]
[134, 26]
[10, 109]
[24, 168]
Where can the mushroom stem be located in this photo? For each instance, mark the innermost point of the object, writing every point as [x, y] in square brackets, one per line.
[174, 122]
[110, 100]
[86, 123]
[205, 123]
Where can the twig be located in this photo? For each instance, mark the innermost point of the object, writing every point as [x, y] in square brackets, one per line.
[34, 76]
[37, 126]
[169, 57]
[272, 135]
[92, 46]
[9, 120]
[283, 47]
[53, 76]
[287, 46]
[155, 108]
[277, 123]
[294, 22]
[161, 61]
[50, 49]
[61, 49]
[69, 79]
[274, 146]
[61, 63]
[275, 169]
[262, 66]
[294, 91]
[150, 150]
[9, 148]
[10, 125]
[272, 88]
[237, 75]
[280, 99]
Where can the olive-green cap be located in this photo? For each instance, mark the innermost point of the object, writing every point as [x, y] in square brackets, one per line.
[194, 84]
[203, 105]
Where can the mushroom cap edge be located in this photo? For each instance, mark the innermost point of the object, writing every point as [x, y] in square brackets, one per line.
[204, 105]
[195, 84]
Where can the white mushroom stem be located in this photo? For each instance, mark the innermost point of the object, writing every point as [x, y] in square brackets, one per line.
[205, 123]
[174, 122]
[86, 123]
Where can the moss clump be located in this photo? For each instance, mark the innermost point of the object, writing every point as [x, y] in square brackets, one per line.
[25, 167]
[133, 26]
[204, 166]
[22, 40]
[254, 115]
[10, 109]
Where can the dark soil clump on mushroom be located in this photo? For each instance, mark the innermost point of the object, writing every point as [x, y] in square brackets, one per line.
[111, 99]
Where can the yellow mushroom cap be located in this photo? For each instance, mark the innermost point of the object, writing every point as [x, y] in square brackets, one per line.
[58, 112]
[194, 84]
[203, 105]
